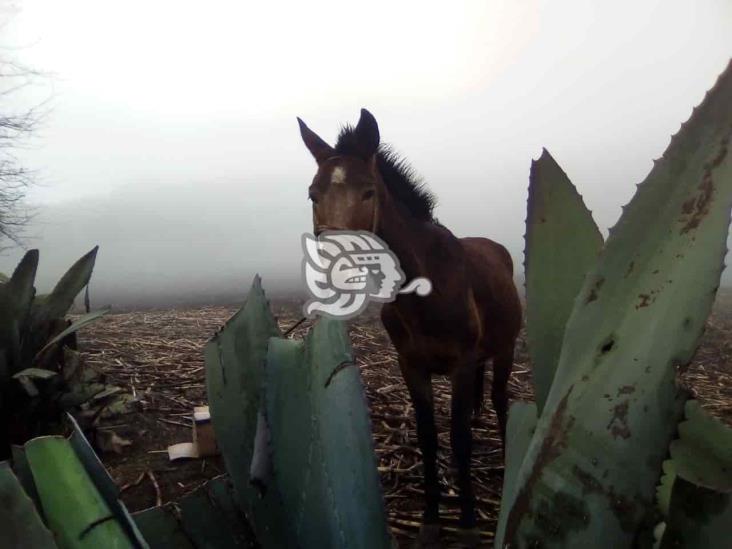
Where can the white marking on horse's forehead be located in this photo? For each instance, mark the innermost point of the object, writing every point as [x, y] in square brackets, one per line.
[338, 177]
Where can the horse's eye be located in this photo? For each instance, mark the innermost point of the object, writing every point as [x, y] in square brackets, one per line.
[368, 194]
[311, 196]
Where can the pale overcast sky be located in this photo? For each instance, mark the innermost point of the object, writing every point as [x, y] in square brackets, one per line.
[172, 143]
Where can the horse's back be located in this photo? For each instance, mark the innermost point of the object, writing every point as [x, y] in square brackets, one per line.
[490, 270]
[488, 253]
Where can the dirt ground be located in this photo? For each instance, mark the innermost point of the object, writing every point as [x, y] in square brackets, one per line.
[157, 356]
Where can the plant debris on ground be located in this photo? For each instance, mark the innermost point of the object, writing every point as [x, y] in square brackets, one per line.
[157, 356]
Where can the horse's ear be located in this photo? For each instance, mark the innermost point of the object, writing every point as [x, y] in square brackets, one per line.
[367, 135]
[317, 147]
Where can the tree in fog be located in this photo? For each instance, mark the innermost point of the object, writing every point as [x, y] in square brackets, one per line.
[16, 125]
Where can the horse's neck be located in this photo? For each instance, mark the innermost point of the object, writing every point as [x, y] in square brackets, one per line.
[405, 238]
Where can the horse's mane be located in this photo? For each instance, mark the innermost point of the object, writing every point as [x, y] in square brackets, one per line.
[400, 179]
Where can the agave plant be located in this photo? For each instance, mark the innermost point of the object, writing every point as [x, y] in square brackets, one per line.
[40, 373]
[58, 494]
[292, 423]
[608, 325]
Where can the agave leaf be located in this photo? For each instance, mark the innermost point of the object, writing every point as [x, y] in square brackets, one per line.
[663, 491]
[107, 392]
[75, 511]
[79, 395]
[699, 518]
[260, 471]
[23, 472]
[120, 405]
[697, 499]
[103, 482]
[10, 349]
[28, 386]
[322, 450]
[522, 418]
[209, 517]
[161, 528]
[20, 285]
[75, 326]
[562, 244]
[663, 499]
[234, 373]
[16, 297]
[47, 312]
[349, 458]
[72, 361]
[703, 452]
[87, 301]
[35, 373]
[285, 370]
[20, 525]
[26, 377]
[60, 300]
[613, 407]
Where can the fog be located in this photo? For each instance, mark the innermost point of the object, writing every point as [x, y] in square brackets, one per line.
[171, 139]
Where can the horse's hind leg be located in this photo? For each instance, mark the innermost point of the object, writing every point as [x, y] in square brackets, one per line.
[502, 366]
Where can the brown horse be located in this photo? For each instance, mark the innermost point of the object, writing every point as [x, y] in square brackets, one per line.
[473, 313]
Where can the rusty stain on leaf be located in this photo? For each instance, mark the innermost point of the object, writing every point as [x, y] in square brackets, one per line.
[644, 301]
[697, 208]
[626, 390]
[618, 425]
[594, 290]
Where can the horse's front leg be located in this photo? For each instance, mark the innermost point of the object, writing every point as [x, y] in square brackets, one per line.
[419, 383]
[461, 439]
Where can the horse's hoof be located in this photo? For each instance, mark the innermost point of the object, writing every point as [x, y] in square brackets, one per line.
[469, 538]
[428, 537]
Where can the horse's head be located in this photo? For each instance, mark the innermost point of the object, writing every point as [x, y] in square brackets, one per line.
[346, 188]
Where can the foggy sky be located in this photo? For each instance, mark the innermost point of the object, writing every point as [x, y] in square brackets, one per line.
[172, 141]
